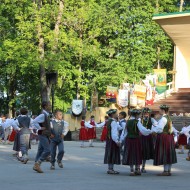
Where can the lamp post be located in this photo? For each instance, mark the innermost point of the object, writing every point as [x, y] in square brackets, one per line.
[51, 80]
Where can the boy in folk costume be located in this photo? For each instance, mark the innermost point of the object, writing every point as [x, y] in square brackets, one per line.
[42, 123]
[22, 125]
[182, 138]
[58, 132]
[165, 153]
[132, 144]
[112, 150]
[83, 134]
[146, 141]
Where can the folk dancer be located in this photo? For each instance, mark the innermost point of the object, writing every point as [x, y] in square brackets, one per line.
[132, 144]
[59, 130]
[146, 141]
[182, 141]
[104, 131]
[83, 133]
[23, 124]
[42, 123]
[165, 153]
[112, 150]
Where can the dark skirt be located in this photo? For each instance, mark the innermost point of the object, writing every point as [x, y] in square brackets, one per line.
[132, 152]
[182, 140]
[165, 150]
[16, 146]
[112, 153]
[147, 147]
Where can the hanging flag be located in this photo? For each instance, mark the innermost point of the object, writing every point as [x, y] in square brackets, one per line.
[123, 98]
[111, 93]
[161, 80]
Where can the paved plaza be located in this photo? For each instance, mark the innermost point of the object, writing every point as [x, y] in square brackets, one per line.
[84, 170]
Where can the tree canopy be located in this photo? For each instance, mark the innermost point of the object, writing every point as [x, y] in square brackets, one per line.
[90, 43]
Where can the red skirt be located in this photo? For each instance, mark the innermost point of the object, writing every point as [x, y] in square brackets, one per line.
[83, 135]
[104, 134]
[182, 140]
[92, 133]
[12, 136]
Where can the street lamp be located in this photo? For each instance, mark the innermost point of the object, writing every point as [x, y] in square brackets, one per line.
[51, 80]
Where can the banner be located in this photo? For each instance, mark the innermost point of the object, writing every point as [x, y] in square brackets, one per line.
[140, 91]
[111, 94]
[161, 80]
[123, 98]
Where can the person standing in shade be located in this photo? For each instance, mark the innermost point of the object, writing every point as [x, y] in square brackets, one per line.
[42, 123]
[23, 124]
[58, 131]
[165, 153]
[112, 150]
[146, 141]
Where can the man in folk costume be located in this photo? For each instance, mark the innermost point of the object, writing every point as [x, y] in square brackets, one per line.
[23, 124]
[146, 141]
[59, 130]
[42, 123]
[165, 153]
[132, 145]
[112, 150]
[83, 133]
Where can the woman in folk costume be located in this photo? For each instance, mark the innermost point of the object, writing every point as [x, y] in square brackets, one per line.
[182, 141]
[112, 150]
[146, 141]
[104, 131]
[83, 134]
[165, 153]
[132, 144]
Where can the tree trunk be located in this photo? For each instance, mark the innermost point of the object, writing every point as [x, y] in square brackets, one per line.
[181, 6]
[157, 6]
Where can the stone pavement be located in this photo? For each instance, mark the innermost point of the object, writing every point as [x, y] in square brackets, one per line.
[84, 170]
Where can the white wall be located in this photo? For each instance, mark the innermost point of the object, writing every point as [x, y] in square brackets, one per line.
[182, 67]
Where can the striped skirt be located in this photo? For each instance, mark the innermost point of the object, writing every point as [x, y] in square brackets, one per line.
[132, 152]
[112, 153]
[147, 147]
[165, 150]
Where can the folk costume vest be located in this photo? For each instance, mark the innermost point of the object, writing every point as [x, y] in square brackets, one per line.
[132, 129]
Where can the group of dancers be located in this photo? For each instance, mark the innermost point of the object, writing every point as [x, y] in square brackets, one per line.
[50, 133]
[142, 137]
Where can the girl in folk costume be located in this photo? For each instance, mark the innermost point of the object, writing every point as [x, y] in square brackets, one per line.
[112, 150]
[182, 138]
[104, 131]
[146, 141]
[92, 131]
[83, 134]
[165, 153]
[132, 144]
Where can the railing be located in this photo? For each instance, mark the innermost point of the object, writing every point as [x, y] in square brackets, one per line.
[166, 93]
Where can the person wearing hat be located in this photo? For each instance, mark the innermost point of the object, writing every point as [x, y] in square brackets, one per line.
[146, 141]
[165, 153]
[112, 150]
[132, 144]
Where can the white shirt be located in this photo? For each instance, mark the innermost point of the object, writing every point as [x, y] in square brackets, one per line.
[97, 125]
[39, 119]
[88, 125]
[8, 123]
[15, 123]
[144, 131]
[114, 131]
[122, 125]
[159, 125]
